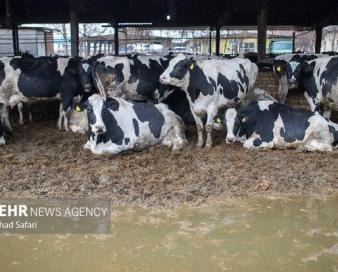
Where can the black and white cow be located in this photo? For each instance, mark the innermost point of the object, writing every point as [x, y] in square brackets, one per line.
[116, 125]
[268, 124]
[23, 80]
[319, 78]
[287, 70]
[210, 85]
[133, 77]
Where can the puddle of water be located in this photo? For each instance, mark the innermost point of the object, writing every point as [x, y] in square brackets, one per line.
[293, 234]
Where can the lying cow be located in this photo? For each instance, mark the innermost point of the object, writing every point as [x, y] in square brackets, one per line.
[210, 85]
[267, 124]
[320, 80]
[25, 79]
[116, 125]
[287, 69]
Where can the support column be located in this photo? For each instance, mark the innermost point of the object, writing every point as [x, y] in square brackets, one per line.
[210, 50]
[74, 31]
[15, 36]
[293, 42]
[15, 32]
[319, 33]
[88, 48]
[218, 34]
[116, 39]
[261, 27]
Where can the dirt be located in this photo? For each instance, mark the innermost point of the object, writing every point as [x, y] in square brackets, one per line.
[42, 162]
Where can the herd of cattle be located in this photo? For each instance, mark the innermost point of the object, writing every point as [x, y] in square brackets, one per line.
[135, 101]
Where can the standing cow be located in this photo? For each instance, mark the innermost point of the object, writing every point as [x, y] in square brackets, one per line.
[25, 79]
[134, 77]
[320, 80]
[268, 124]
[287, 69]
[210, 85]
[116, 125]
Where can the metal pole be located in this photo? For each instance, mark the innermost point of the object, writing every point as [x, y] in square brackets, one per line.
[210, 29]
[15, 36]
[319, 32]
[293, 42]
[218, 34]
[116, 39]
[262, 26]
[74, 31]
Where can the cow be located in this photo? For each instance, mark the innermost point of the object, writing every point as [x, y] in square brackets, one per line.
[133, 77]
[23, 80]
[268, 124]
[320, 80]
[287, 69]
[116, 125]
[210, 85]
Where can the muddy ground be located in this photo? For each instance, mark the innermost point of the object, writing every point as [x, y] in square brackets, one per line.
[40, 161]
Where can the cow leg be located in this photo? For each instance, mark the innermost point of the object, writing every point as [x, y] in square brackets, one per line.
[180, 140]
[209, 126]
[256, 143]
[282, 89]
[66, 115]
[315, 145]
[61, 116]
[30, 117]
[20, 110]
[5, 119]
[199, 126]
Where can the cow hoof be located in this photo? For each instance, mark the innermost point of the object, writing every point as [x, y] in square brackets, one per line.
[208, 146]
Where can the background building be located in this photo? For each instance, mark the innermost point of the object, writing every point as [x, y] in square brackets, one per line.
[37, 41]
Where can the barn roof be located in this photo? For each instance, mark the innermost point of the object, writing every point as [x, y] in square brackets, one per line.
[182, 12]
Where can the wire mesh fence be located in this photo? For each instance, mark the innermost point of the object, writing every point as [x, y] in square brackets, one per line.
[42, 42]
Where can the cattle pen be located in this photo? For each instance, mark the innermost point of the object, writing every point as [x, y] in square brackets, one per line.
[117, 154]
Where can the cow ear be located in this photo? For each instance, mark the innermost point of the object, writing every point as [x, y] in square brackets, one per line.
[306, 68]
[112, 103]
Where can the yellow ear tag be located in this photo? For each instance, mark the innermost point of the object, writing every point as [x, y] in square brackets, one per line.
[218, 120]
[279, 69]
[192, 66]
[77, 108]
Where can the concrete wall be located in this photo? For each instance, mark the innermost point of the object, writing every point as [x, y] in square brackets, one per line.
[268, 82]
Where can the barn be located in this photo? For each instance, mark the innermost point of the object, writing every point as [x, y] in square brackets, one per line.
[40, 161]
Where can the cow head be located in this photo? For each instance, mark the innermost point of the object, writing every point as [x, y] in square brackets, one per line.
[97, 108]
[229, 125]
[85, 75]
[290, 69]
[80, 71]
[177, 73]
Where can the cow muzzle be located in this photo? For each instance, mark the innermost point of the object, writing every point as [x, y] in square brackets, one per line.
[164, 79]
[99, 129]
[87, 88]
[229, 139]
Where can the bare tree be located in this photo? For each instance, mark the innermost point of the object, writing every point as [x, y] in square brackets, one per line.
[63, 31]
